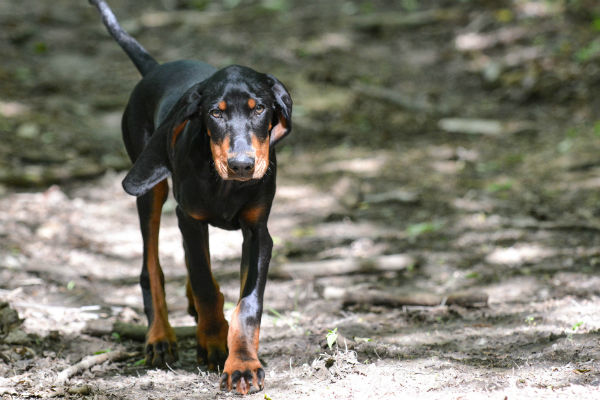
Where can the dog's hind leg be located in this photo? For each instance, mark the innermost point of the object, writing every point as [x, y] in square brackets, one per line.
[161, 343]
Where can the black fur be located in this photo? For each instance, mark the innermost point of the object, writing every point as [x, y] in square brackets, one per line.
[213, 131]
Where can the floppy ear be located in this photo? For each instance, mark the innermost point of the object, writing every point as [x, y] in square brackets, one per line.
[282, 121]
[153, 165]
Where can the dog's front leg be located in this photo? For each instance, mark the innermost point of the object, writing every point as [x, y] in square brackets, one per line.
[204, 295]
[242, 368]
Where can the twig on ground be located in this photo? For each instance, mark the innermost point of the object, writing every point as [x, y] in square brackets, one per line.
[378, 298]
[344, 266]
[131, 331]
[88, 362]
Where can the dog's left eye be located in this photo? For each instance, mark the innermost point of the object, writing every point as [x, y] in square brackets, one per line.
[259, 109]
[216, 113]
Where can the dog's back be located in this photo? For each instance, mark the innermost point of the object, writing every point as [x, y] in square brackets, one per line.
[155, 95]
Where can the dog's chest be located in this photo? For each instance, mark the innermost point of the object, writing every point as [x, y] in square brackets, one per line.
[218, 205]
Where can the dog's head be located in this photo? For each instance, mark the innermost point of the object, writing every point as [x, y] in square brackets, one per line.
[243, 113]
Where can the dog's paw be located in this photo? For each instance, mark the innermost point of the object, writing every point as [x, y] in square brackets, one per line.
[161, 353]
[242, 376]
[212, 349]
[212, 343]
[214, 357]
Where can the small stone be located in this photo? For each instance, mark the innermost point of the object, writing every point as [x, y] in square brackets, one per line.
[16, 336]
[80, 389]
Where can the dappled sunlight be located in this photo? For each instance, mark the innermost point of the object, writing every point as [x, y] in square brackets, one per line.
[363, 166]
[520, 254]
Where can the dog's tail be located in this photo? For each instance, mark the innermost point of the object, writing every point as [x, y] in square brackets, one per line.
[136, 52]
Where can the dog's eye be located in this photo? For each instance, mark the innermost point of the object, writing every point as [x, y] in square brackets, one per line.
[259, 109]
[216, 113]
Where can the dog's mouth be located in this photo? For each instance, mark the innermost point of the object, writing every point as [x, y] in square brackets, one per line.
[251, 165]
[229, 173]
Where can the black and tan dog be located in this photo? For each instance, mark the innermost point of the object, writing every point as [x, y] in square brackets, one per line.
[213, 131]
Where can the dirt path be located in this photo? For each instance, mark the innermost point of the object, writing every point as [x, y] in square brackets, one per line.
[438, 150]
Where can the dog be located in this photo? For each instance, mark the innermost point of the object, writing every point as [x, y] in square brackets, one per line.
[214, 133]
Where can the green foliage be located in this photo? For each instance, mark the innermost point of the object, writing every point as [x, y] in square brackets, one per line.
[496, 187]
[275, 5]
[303, 232]
[367, 7]
[504, 15]
[71, 285]
[588, 52]
[139, 362]
[472, 275]
[410, 5]
[597, 128]
[415, 230]
[40, 47]
[574, 329]
[231, 3]
[103, 351]
[332, 338]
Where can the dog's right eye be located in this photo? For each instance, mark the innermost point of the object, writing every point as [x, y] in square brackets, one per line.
[216, 113]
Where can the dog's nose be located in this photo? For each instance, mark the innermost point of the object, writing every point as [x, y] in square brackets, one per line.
[241, 165]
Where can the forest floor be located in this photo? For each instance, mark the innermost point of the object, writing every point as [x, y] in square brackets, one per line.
[437, 204]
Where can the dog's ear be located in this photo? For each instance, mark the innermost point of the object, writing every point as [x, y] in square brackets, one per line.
[153, 164]
[282, 120]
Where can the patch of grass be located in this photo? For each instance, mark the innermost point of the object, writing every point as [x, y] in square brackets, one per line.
[276, 313]
[291, 322]
[103, 351]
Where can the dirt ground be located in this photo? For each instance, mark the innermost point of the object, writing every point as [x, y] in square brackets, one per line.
[441, 150]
